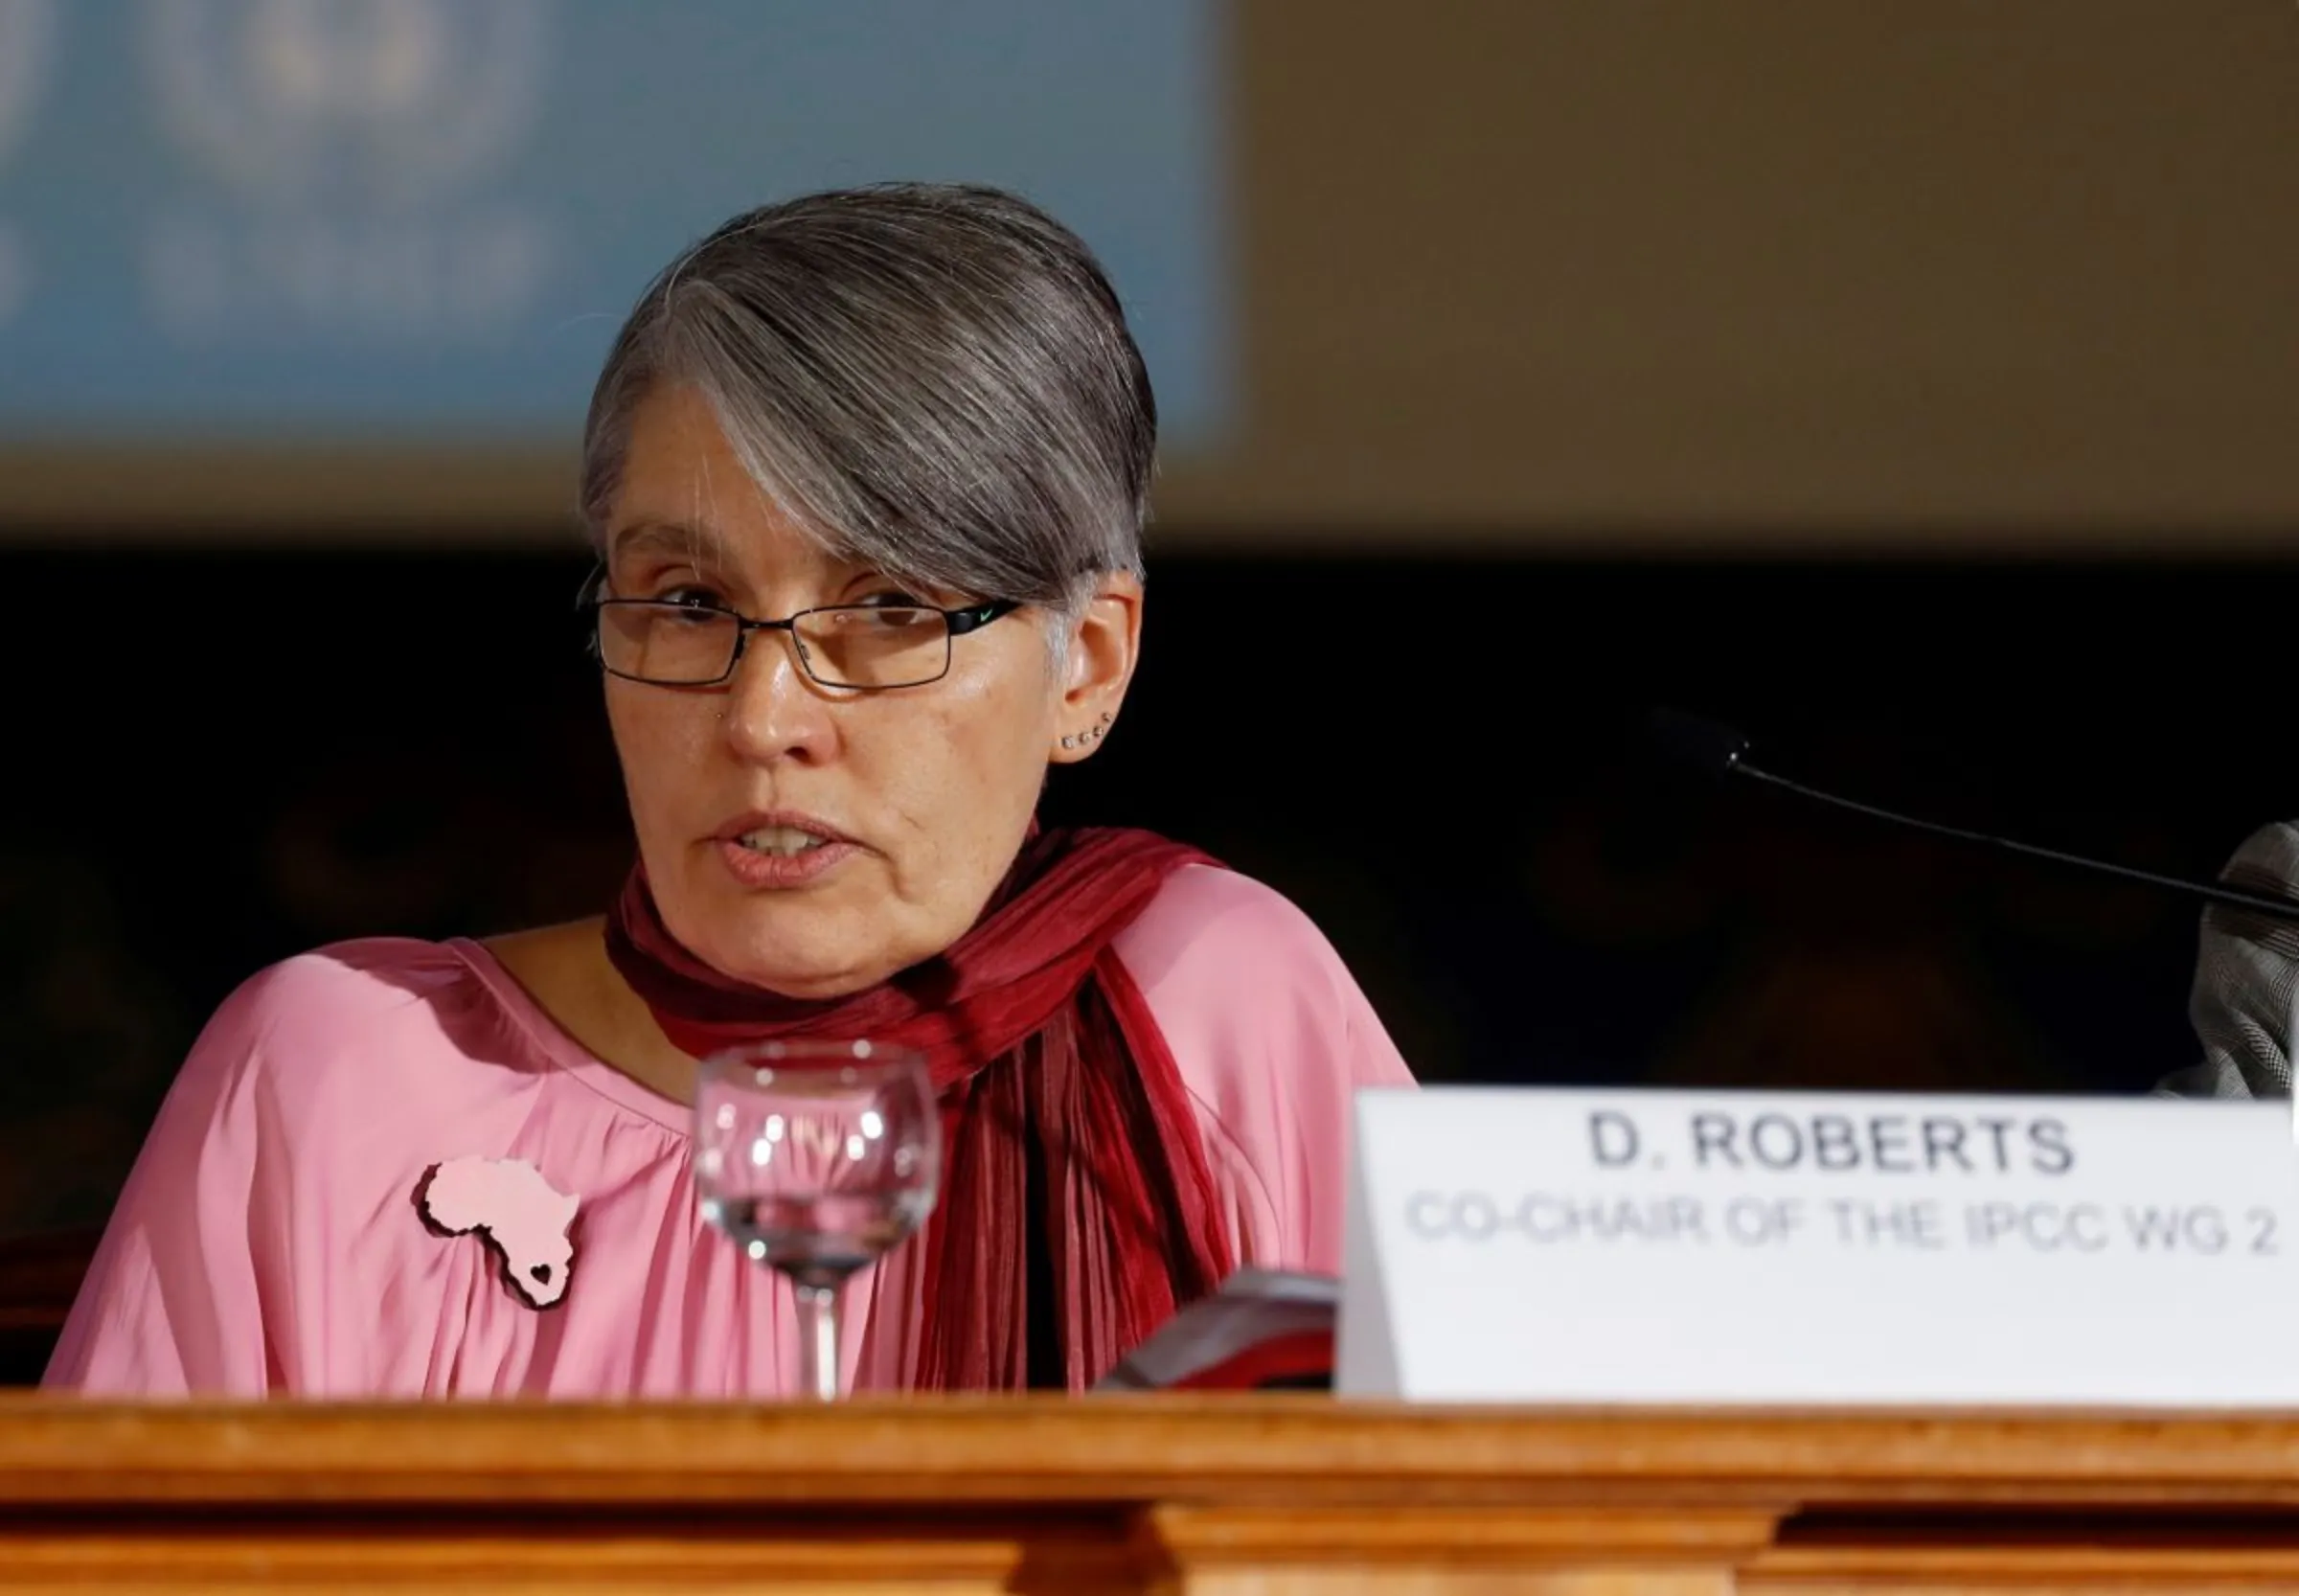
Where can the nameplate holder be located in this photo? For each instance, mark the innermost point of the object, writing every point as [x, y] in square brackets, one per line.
[1562, 1246]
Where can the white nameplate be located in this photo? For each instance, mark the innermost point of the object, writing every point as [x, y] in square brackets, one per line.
[1565, 1246]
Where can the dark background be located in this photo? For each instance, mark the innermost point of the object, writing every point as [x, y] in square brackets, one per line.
[221, 759]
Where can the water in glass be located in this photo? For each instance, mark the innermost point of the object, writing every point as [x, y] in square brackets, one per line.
[816, 1159]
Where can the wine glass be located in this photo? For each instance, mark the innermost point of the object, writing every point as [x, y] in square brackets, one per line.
[817, 1156]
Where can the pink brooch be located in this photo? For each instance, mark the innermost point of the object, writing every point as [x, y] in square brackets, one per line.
[514, 1210]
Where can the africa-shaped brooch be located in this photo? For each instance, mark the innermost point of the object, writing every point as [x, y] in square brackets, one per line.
[515, 1211]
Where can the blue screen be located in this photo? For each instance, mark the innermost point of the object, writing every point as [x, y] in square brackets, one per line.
[422, 220]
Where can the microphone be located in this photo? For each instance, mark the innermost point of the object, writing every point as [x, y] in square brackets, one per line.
[1716, 750]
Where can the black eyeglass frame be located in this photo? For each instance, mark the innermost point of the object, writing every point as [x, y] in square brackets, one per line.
[956, 623]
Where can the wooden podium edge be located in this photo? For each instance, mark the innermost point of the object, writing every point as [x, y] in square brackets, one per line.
[1182, 1495]
[1304, 1450]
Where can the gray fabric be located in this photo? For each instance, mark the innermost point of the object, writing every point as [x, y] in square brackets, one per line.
[2246, 979]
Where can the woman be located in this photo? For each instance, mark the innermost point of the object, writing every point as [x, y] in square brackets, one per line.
[2246, 979]
[867, 476]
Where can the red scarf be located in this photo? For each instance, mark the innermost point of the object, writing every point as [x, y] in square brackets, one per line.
[1077, 1211]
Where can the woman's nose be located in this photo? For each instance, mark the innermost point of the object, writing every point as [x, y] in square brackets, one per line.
[774, 709]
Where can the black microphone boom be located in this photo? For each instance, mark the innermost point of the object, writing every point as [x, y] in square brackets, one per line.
[1717, 750]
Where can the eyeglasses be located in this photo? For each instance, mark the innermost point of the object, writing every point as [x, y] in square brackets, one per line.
[867, 648]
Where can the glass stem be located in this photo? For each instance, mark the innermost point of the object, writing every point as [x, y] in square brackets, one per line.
[818, 1341]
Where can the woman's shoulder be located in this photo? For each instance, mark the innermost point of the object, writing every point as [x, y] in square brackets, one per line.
[348, 989]
[366, 973]
[1210, 924]
[1273, 1040]
[351, 1020]
[1240, 979]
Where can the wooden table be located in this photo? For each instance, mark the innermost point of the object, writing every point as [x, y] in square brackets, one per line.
[1225, 1495]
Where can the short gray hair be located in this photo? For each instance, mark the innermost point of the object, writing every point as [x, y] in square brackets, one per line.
[933, 381]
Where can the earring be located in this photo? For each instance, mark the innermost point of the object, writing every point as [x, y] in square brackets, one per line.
[1091, 735]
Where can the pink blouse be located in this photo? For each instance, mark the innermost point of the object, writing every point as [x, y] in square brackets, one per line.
[269, 1243]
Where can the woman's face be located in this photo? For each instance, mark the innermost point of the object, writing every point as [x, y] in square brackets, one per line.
[906, 806]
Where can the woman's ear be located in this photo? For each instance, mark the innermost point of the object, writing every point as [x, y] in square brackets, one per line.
[1098, 664]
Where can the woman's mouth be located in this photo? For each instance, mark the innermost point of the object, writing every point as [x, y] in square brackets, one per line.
[782, 841]
[765, 854]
